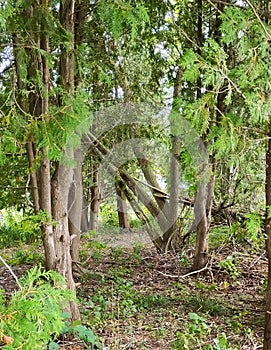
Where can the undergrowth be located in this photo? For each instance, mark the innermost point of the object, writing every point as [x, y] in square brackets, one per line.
[33, 318]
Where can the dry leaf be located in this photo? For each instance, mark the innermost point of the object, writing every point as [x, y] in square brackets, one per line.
[6, 339]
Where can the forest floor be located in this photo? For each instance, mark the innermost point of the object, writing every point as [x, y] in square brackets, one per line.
[133, 298]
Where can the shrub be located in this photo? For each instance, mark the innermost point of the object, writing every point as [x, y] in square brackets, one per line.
[34, 314]
[17, 228]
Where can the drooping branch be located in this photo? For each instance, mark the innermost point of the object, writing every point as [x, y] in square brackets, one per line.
[132, 184]
[155, 237]
[150, 177]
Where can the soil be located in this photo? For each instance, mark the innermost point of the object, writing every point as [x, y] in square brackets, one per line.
[134, 298]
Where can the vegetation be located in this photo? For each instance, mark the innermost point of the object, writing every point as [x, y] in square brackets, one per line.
[126, 126]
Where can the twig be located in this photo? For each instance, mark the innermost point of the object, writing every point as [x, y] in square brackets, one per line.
[187, 274]
[167, 275]
[259, 19]
[194, 272]
[10, 270]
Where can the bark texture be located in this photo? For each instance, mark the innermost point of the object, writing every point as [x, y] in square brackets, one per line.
[202, 212]
[95, 197]
[267, 326]
[122, 209]
[50, 193]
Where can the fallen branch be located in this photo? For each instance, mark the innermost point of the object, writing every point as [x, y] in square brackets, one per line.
[12, 273]
[186, 275]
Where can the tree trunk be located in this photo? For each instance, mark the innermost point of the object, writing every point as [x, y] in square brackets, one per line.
[75, 203]
[150, 177]
[63, 262]
[171, 239]
[267, 327]
[131, 183]
[29, 144]
[85, 223]
[154, 236]
[33, 177]
[202, 212]
[122, 209]
[95, 198]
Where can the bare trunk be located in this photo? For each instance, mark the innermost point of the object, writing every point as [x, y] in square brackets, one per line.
[154, 236]
[202, 211]
[132, 184]
[150, 177]
[63, 262]
[171, 241]
[33, 177]
[171, 237]
[46, 206]
[95, 199]
[85, 224]
[267, 326]
[122, 209]
[29, 144]
[75, 206]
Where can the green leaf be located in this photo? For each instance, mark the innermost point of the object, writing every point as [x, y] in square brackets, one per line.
[86, 334]
[53, 346]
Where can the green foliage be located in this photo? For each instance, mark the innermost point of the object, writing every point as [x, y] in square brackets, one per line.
[34, 314]
[121, 300]
[254, 226]
[206, 303]
[122, 15]
[135, 223]
[64, 128]
[108, 215]
[190, 63]
[79, 331]
[196, 336]
[229, 265]
[16, 228]
[27, 255]
[93, 248]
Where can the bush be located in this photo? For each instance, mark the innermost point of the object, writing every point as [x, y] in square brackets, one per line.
[17, 228]
[34, 314]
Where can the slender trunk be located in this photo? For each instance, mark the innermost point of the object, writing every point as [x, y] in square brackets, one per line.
[29, 144]
[64, 174]
[202, 212]
[145, 199]
[46, 206]
[171, 239]
[63, 262]
[85, 223]
[267, 323]
[122, 209]
[95, 198]
[267, 326]
[150, 177]
[75, 206]
[45, 170]
[132, 184]
[154, 236]
[33, 177]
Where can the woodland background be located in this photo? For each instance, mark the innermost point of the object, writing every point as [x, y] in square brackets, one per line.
[124, 119]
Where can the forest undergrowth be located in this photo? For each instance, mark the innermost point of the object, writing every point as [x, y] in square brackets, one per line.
[133, 298]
